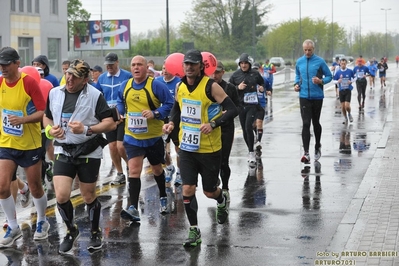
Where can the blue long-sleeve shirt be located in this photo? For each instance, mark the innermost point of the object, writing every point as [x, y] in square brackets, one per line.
[109, 85]
[160, 91]
[305, 70]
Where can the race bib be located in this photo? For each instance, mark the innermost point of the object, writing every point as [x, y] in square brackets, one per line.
[251, 98]
[65, 117]
[136, 123]
[190, 138]
[191, 112]
[345, 83]
[360, 74]
[11, 129]
[112, 103]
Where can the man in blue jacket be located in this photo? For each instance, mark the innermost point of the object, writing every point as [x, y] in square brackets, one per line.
[108, 83]
[312, 73]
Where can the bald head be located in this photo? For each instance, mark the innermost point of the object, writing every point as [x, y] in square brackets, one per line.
[138, 67]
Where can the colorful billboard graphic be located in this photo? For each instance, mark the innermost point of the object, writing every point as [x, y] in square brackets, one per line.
[115, 35]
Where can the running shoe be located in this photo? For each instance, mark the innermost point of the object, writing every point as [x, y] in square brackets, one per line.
[222, 211]
[96, 240]
[131, 214]
[119, 179]
[194, 237]
[49, 171]
[305, 158]
[10, 237]
[42, 229]
[69, 240]
[163, 202]
[24, 197]
[251, 160]
[350, 118]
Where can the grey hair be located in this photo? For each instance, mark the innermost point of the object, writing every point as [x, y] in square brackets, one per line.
[308, 41]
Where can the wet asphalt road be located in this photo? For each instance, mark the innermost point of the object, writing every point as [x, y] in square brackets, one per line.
[280, 214]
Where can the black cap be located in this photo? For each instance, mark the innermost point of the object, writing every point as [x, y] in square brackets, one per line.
[192, 56]
[79, 68]
[97, 68]
[8, 55]
[111, 58]
[219, 66]
[256, 66]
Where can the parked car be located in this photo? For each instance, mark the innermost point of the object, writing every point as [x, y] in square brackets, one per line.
[348, 58]
[277, 61]
[338, 55]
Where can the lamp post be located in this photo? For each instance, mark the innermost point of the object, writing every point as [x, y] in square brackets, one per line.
[360, 24]
[253, 29]
[167, 28]
[332, 28]
[300, 23]
[101, 27]
[386, 30]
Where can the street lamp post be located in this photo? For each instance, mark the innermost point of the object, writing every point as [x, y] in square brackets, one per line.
[360, 24]
[300, 23]
[167, 28]
[332, 28]
[101, 27]
[253, 30]
[386, 30]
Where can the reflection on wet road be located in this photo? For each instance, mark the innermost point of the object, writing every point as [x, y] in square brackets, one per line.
[281, 213]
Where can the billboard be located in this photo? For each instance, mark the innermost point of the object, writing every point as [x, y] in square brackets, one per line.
[115, 35]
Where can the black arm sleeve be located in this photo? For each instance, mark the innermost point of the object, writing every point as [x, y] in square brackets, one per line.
[175, 114]
[48, 113]
[231, 112]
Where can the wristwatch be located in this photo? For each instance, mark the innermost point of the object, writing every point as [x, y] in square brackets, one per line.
[89, 131]
[213, 124]
[156, 114]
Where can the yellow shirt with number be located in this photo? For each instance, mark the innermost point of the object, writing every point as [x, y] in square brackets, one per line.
[196, 109]
[15, 101]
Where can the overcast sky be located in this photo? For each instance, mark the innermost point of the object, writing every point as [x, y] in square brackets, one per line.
[147, 15]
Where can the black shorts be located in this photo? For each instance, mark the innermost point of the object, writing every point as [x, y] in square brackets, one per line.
[155, 153]
[116, 134]
[22, 158]
[86, 168]
[205, 164]
[345, 96]
[260, 113]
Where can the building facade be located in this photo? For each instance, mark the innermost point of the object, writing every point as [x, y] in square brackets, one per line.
[35, 27]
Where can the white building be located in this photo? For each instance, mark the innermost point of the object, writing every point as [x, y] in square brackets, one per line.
[35, 27]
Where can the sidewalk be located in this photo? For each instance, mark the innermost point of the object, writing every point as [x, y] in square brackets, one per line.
[368, 233]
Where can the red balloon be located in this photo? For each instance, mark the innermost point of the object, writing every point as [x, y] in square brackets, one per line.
[174, 64]
[210, 63]
[45, 87]
[31, 71]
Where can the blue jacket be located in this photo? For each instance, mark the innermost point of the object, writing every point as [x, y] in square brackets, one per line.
[109, 85]
[305, 69]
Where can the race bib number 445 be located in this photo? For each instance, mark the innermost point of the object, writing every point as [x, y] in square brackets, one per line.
[190, 139]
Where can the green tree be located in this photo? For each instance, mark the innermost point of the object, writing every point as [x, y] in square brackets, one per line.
[225, 27]
[77, 17]
[284, 40]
